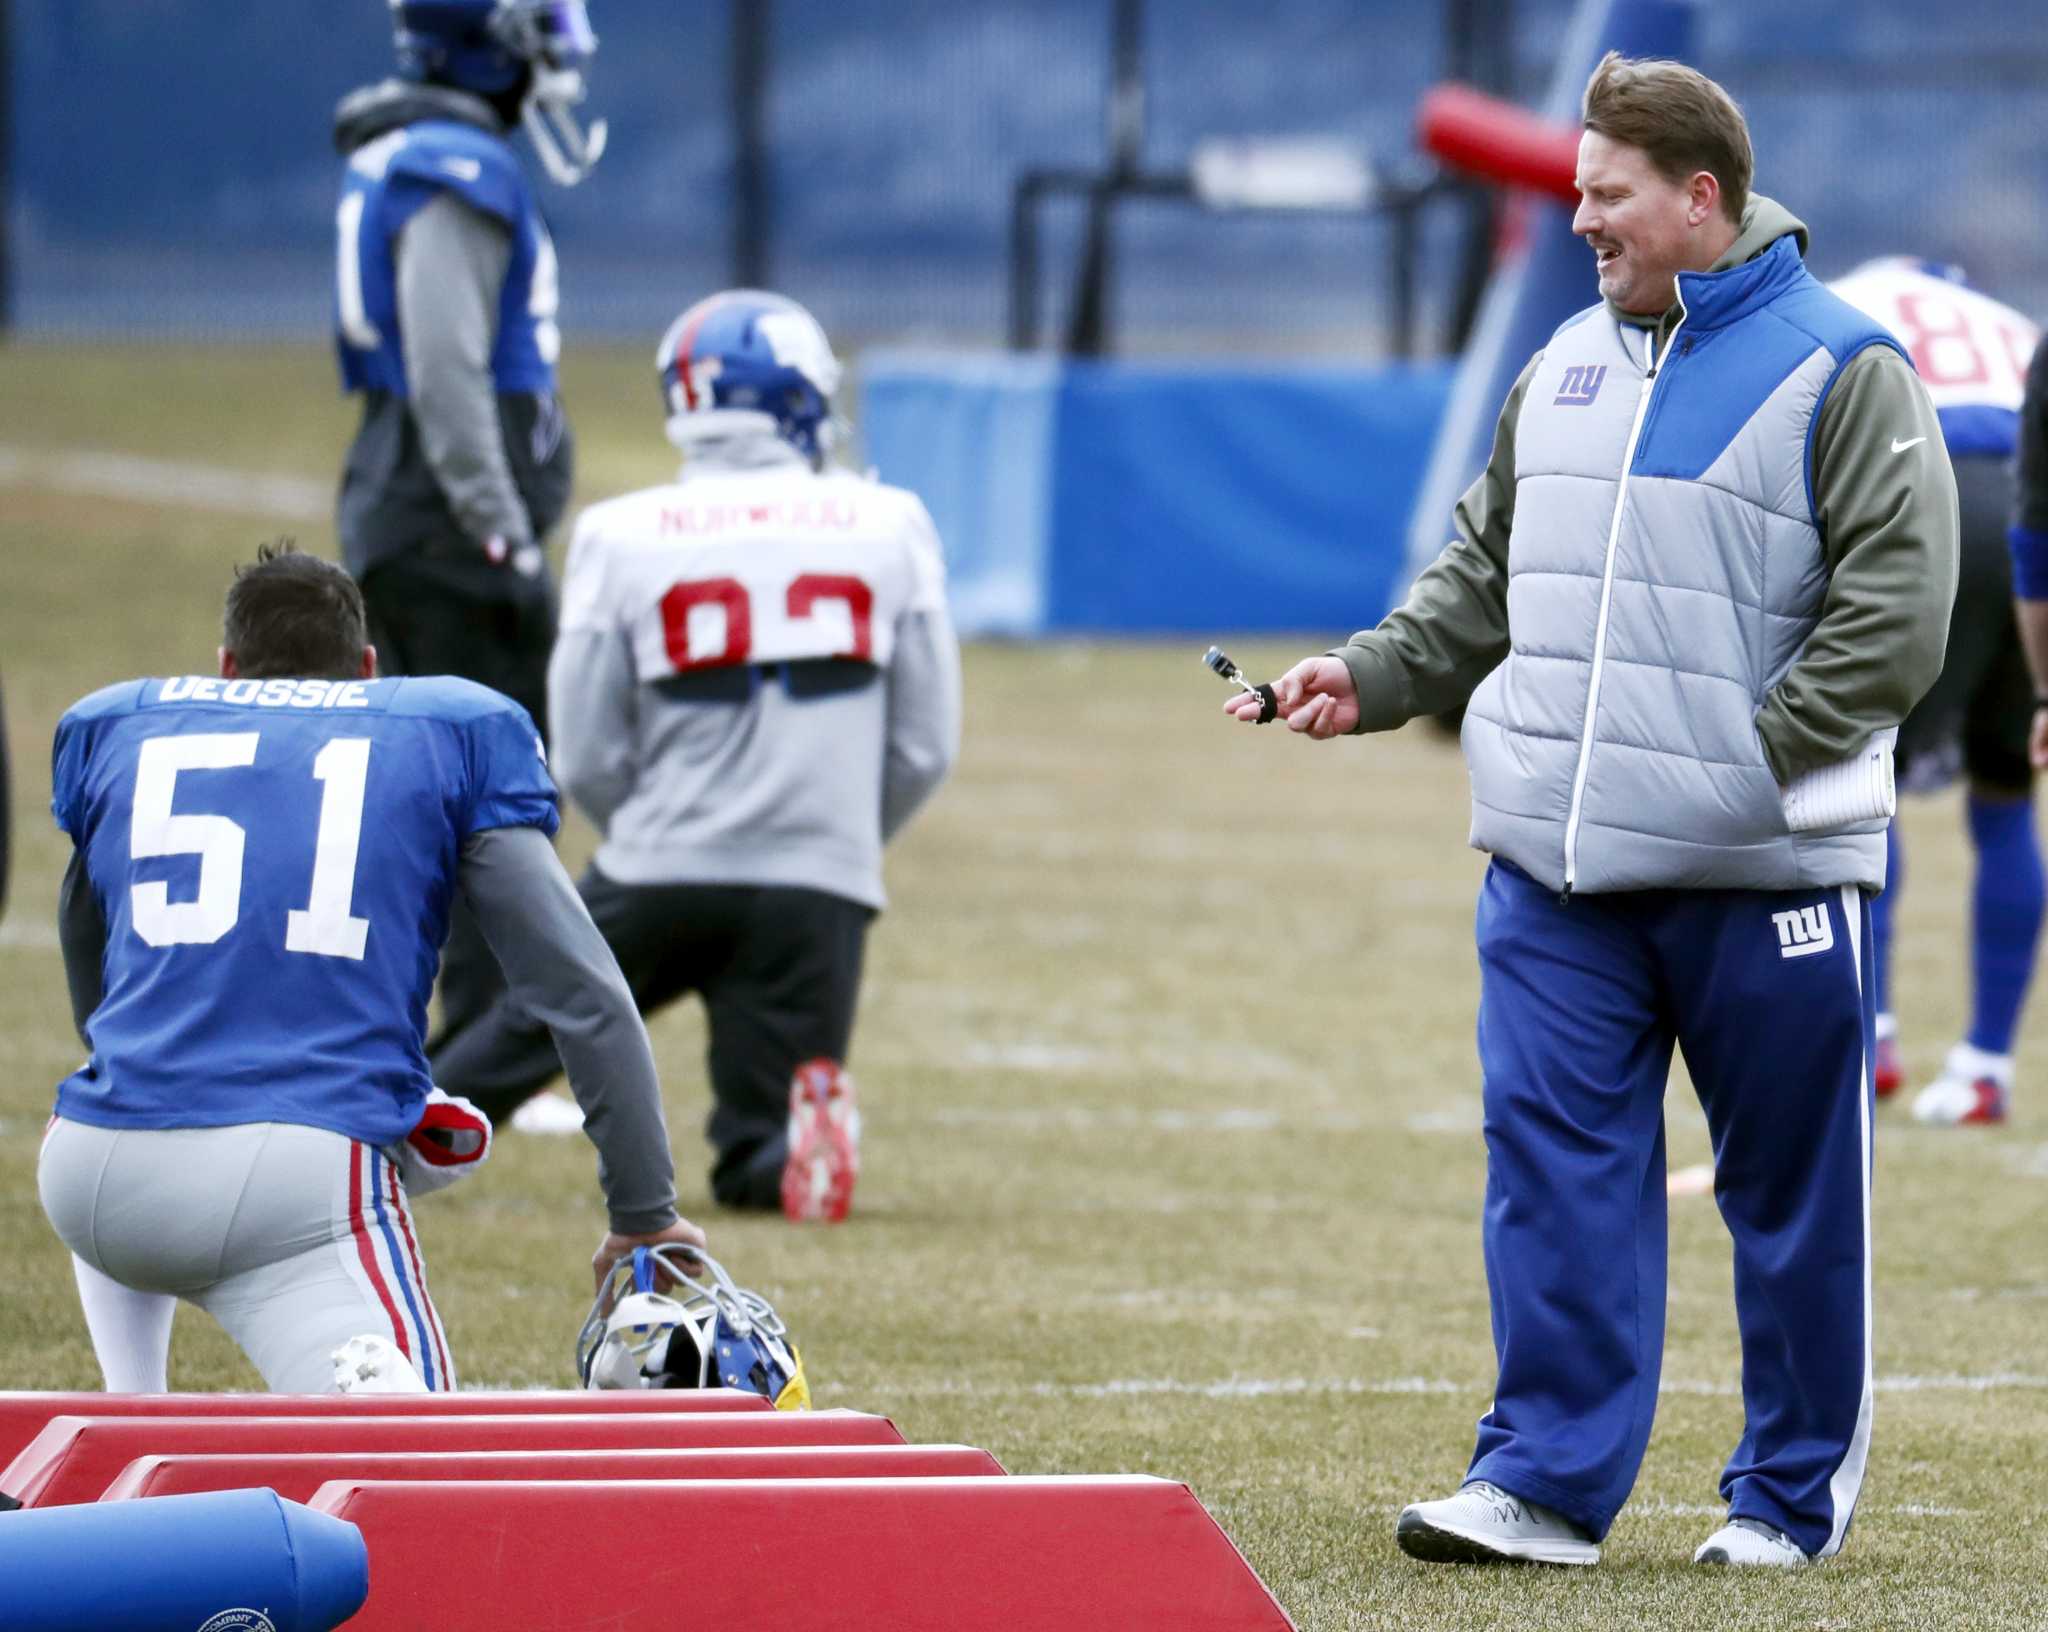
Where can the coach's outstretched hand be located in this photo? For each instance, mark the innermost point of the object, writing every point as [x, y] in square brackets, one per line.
[1316, 697]
[614, 1247]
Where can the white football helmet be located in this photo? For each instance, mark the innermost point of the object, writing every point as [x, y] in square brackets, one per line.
[701, 1332]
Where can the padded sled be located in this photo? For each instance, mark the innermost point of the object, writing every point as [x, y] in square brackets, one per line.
[74, 1459]
[857, 1555]
[239, 1559]
[297, 1475]
[23, 1413]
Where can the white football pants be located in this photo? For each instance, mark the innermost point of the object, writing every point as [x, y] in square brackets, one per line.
[293, 1238]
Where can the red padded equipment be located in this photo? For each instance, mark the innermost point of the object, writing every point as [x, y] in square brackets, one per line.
[1118, 1554]
[1498, 141]
[23, 1413]
[295, 1476]
[74, 1459]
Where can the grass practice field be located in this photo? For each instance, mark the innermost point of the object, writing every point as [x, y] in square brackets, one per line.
[1173, 1153]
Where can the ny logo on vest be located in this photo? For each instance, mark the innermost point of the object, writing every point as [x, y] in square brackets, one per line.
[1581, 385]
[1804, 931]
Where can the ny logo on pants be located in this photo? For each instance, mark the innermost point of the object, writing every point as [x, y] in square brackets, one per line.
[1804, 931]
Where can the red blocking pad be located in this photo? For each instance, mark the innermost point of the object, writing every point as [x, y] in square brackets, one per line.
[859, 1555]
[297, 1475]
[74, 1459]
[23, 1413]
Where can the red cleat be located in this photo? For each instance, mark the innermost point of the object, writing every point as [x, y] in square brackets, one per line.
[1890, 1072]
[824, 1144]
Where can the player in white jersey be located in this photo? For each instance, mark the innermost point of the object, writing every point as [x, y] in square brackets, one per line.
[756, 686]
[1971, 353]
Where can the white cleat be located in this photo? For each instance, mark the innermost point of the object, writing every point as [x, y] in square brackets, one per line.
[548, 1114]
[1483, 1524]
[1750, 1542]
[1974, 1088]
[372, 1365]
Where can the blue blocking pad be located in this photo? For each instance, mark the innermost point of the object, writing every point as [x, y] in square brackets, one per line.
[226, 1561]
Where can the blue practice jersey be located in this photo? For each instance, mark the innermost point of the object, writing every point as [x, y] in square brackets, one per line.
[390, 178]
[275, 861]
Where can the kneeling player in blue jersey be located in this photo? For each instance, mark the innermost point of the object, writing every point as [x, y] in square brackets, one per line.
[264, 868]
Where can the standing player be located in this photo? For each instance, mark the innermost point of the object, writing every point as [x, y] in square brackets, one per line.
[445, 312]
[1971, 353]
[757, 685]
[1681, 765]
[263, 871]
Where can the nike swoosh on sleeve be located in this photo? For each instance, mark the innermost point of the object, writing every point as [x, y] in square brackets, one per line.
[1901, 447]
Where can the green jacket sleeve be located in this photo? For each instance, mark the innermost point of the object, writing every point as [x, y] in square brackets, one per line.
[1429, 653]
[1885, 498]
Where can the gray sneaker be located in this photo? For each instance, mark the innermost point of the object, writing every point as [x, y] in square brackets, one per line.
[1483, 1524]
[1750, 1541]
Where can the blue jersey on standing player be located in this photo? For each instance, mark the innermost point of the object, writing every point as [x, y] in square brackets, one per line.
[274, 861]
[445, 299]
[263, 869]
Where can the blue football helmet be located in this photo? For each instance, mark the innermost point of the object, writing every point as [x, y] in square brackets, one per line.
[491, 47]
[746, 360]
[700, 1332]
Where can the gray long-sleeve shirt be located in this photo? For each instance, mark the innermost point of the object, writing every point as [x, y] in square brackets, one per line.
[450, 264]
[560, 971]
[451, 462]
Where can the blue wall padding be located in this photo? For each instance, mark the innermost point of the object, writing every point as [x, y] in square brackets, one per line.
[1110, 498]
[1189, 500]
[187, 1562]
[972, 437]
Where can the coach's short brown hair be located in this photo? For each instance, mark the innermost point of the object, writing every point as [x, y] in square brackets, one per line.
[291, 615]
[1679, 117]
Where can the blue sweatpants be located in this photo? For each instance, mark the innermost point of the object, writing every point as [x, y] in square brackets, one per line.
[1581, 1002]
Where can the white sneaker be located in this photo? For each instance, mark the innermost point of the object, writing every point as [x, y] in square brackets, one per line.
[1974, 1087]
[548, 1114]
[1483, 1524]
[1750, 1541]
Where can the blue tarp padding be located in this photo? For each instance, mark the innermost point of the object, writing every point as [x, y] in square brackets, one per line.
[1106, 498]
[227, 1561]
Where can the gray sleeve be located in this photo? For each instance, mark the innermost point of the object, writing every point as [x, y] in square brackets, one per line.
[452, 261]
[924, 715]
[82, 933]
[564, 976]
[590, 720]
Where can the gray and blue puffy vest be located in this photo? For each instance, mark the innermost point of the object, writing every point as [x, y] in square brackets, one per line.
[1664, 571]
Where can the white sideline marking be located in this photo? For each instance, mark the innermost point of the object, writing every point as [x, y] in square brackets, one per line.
[1082, 1119]
[1242, 1388]
[1970, 1294]
[104, 475]
[1233, 1388]
[1053, 1056]
[28, 932]
[1715, 1510]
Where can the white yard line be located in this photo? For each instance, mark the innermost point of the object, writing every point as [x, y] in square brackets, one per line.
[19, 931]
[97, 473]
[1241, 1388]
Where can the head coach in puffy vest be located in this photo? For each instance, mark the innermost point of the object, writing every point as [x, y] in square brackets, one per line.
[1706, 572]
